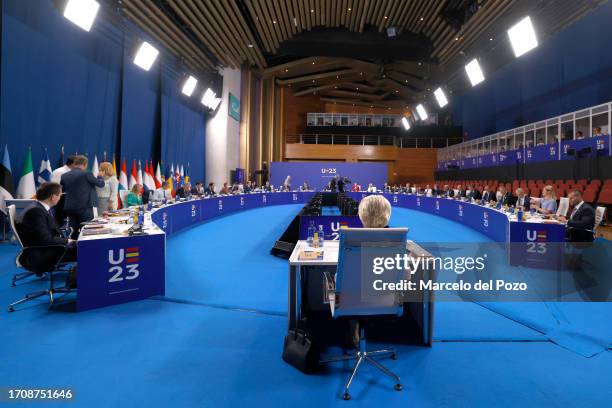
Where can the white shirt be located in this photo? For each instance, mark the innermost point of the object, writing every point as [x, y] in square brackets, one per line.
[45, 205]
[160, 195]
[575, 210]
[56, 175]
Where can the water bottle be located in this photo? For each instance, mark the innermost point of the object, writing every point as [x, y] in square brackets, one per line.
[311, 231]
[520, 213]
[321, 236]
[141, 216]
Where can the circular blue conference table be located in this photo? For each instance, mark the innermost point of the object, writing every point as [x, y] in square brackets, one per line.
[121, 269]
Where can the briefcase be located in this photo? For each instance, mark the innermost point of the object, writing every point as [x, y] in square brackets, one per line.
[301, 351]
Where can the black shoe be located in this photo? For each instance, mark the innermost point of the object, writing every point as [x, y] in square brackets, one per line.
[71, 280]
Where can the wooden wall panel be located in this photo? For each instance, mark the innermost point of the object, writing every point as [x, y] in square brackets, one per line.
[405, 165]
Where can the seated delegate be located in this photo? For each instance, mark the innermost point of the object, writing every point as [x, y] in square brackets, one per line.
[37, 227]
[548, 202]
[581, 222]
[374, 211]
[522, 200]
[134, 198]
[163, 194]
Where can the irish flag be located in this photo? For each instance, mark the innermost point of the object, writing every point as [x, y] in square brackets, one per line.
[27, 186]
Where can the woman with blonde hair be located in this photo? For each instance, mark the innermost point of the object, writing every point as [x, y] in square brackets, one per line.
[374, 211]
[548, 203]
[107, 195]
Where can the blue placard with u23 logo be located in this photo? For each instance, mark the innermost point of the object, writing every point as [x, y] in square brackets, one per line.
[119, 270]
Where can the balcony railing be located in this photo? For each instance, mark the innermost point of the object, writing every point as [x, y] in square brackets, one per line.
[370, 140]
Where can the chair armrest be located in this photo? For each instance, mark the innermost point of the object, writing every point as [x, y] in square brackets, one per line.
[330, 286]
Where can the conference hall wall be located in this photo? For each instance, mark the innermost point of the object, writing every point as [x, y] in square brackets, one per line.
[63, 86]
[567, 72]
[404, 165]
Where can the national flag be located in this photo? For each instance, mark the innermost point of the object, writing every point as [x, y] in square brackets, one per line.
[27, 186]
[60, 161]
[133, 176]
[140, 179]
[170, 178]
[114, 165]
[123, 181]
[158, 176]
[149, 183]
[44, 173]
[152, 176]
[177, 177]
[6, 180]
[95, 168]
[541, 236]
[187, 173]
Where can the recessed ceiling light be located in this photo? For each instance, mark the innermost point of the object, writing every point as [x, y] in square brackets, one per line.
[312, 10]
[313, 62]
[421, 111]
[349, 9]
[491, 39]
[146, 56]
[422, 18]
[474, 72]
[274, 22]
[440, 97]
[250, 45]
[189, 86]
[286, 69]
[456, 38]
[313, 80]
[522, 37]
[82, 12]
[385, 17]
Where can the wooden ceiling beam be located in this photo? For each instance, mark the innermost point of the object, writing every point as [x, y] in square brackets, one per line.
[163, 39]
[354, 102]
[210, 24]
[139, 11]
[246, 33]
[352, 94]
[182, 10]
[315, 77]
[267, 22]
[223, 13]
[263, 34]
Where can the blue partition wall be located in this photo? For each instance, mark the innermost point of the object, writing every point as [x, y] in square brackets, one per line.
[567, 72]
[63, 86]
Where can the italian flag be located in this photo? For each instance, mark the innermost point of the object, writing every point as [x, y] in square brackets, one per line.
[27, 187]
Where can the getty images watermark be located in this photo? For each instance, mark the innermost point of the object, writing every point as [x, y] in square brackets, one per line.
[460, 265]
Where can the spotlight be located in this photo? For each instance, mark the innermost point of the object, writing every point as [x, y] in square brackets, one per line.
[422, 112]
[440, 97]
[146, 56]
[474, 72]
[210, 99]
[522, 37]
[189, 85]
[406, 123]
[82, 12]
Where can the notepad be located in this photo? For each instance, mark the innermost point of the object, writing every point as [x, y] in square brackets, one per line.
[311, 255]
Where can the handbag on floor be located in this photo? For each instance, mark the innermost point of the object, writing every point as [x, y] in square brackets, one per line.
[301, 352]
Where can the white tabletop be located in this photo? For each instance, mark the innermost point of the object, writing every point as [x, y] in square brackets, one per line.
[330, 253]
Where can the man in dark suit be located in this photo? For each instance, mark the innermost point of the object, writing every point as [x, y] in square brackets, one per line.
[210, 190]
[37, 228]
[581, 222]
[460, 192]
[447, 192]
[184, 191]
[80, 188]
[487, 196]
[522, 199]
[506, 197]
[475, 194]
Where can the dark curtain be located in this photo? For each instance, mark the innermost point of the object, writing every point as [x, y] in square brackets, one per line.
[183, 128]
[63, 86]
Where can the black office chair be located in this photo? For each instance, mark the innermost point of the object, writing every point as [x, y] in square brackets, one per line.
[351, 295]
[31, 259]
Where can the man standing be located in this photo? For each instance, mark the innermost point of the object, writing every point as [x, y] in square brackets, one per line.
[80, 188]
[56, 175]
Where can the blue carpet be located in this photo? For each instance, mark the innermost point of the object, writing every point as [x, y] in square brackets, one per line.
[160, 353]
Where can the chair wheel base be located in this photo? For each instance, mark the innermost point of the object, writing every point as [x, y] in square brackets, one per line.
[346, 396]
[398, 387]
[393, 356]
[11, 309]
